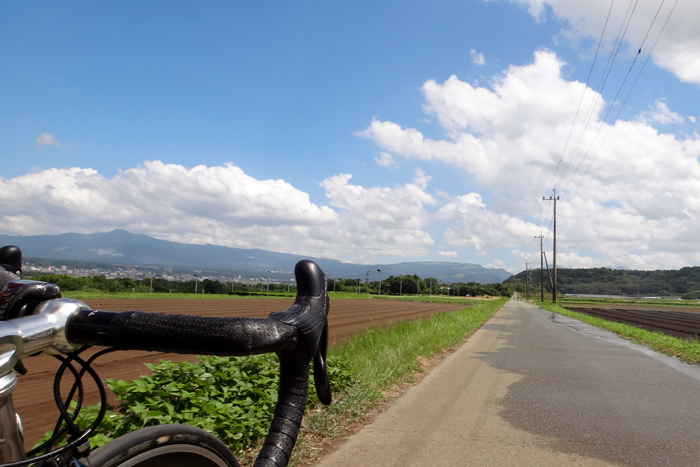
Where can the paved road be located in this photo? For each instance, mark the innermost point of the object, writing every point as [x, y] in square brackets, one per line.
[531, 388]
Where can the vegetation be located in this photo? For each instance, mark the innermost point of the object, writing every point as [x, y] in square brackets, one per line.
[684, 282]
[160, 285]
[234, 397]
[414, 285]
[392, 285]
[230, 397]
[688, 350]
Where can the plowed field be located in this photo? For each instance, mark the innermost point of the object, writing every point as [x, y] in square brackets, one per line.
[685, 324]
[33, 397]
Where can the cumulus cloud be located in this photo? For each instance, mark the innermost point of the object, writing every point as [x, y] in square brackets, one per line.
[447, 254]
[385, 159]
[524, 117]
[630, 193]
[496, 264]
[477, 58]
[661, 114]
[222, 205]
[46, 139]
[477, 227]
[676, 50]
[381, 220]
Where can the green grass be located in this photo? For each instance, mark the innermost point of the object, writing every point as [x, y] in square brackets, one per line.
[378, 359]
[435, 299]
[687, 350]
[382, 358]
[349, 296]
[386, 356]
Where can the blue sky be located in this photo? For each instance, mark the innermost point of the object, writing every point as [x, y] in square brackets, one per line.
[107, 108]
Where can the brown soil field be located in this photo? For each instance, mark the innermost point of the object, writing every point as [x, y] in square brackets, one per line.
[630, 306]
[33, 397]
[674, 322]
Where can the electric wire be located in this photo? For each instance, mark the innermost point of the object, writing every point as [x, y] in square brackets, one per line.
[628, 93]
[604, 79]
[590, 72]
[615, 99]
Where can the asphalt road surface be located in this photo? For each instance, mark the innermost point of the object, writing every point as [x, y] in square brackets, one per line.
[532, 388]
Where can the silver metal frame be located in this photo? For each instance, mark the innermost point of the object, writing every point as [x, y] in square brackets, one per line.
[45, 330]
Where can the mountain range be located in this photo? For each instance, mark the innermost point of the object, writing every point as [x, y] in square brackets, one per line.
[124, 248]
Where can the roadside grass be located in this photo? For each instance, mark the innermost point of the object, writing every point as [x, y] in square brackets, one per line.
[687, 350]
[438, 299]
[383, 358]
[366, 371]
[349, 296]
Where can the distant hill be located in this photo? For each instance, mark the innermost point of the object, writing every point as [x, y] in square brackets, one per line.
[122, 247]
[607, 281]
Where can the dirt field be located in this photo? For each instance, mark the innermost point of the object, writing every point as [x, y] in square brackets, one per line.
[33, 397]
[684, 324]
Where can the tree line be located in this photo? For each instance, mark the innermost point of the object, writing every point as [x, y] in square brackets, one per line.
[414, 285]
[392, 285]
[684, 282]
[159, 285]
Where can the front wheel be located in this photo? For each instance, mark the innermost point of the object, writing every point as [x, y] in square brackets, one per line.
[164, 446]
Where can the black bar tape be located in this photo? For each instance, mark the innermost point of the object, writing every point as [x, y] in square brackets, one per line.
[134, 330]
[293, 391]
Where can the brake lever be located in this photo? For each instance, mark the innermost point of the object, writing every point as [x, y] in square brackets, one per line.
[321, 383]
[309, 314]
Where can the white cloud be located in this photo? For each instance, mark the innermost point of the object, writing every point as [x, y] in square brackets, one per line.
[475, 226]
[385, 159]
[477, 57]
[661, 114]
[524, 118]
[497, 264]
[447, 254]
[46, 139]
[677, 48]
[636, 206]
[381, 220]
[224, 206]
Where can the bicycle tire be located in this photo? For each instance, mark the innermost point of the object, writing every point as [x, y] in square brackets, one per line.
[164, 446]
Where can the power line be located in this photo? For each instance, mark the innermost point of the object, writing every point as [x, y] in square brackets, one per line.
[615, 98]
[604, 79]
[590, 72]
[630, 90]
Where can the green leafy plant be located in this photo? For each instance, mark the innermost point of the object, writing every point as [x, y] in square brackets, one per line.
[231, 397]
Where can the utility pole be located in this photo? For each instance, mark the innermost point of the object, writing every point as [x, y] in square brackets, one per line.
[551, 283]
[527, 281]
[554, 198]
[541, 237]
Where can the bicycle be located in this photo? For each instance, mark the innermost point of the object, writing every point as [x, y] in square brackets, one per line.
[34, 318]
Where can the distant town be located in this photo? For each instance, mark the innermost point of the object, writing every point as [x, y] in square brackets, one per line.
[140, 273]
